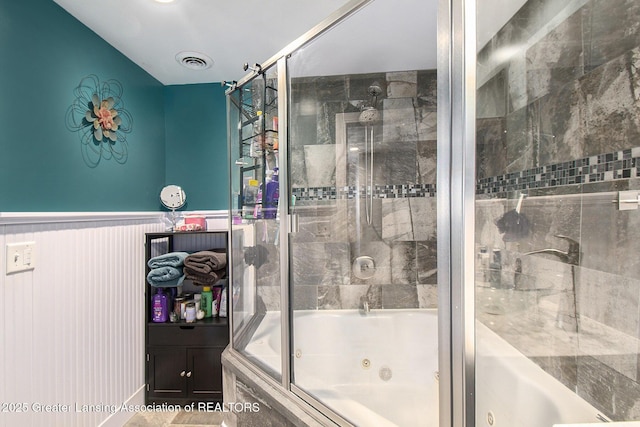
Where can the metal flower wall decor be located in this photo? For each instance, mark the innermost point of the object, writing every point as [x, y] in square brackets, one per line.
[98, 115]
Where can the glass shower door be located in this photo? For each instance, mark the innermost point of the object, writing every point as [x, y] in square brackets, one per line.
[557, 295]
[255, 274]
[362, 163]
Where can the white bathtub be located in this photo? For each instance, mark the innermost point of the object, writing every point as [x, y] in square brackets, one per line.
[381, 370]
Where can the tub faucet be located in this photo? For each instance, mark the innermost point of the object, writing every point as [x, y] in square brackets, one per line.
[568, 311]
[571, 256]
[364, 305]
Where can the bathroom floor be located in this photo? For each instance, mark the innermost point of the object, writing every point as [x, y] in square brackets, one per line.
[175, 419]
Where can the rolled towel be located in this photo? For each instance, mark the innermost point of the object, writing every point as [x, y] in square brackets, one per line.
[165, 277]
[171, 259]
[215, 260]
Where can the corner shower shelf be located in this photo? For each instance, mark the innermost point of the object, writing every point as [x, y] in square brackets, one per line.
[257, 134]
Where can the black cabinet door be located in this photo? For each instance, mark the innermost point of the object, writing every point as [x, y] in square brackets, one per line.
[167, 372]
[205, 373]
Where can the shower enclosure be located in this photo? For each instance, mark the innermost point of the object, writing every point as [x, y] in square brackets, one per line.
[360, 295]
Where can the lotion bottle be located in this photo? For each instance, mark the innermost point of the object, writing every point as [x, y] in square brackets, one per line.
[205, 301]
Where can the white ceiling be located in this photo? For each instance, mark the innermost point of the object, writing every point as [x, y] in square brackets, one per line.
[231, 32]
[387, 35]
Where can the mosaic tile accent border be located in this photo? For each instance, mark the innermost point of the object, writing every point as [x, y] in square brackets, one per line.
[600, 168]
[352, 192]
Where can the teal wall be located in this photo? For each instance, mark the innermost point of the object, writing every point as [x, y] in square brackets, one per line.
[197, 144]
[45, 53]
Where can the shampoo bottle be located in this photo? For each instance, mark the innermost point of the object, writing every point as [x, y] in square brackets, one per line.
[271, 197]
[160, 307]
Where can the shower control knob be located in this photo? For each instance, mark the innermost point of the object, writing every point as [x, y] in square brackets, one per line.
[363, 267]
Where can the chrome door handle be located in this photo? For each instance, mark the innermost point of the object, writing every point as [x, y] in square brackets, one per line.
[294, 223]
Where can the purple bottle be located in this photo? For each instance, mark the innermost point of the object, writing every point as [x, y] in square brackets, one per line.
[159, 307]
[272, 194]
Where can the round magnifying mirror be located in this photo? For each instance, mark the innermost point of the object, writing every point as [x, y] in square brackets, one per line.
[173, 197]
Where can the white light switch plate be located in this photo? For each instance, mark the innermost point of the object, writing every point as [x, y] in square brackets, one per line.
[21, 256]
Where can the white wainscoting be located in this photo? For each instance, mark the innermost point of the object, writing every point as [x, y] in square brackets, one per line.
[72, 329]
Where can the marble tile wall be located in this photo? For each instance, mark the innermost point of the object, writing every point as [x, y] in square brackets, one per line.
[559, 120]
[334, 229]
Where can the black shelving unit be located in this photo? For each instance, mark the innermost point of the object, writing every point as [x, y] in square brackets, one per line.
[183, 359]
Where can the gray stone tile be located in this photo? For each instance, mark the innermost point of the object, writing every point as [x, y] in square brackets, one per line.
[399, 296]
[558, 126]
[320, 161]
[611, 29]
[400, 121]
[403, 263]
[427, 162]
[491, 147]
[197, 418]
[428, 89]
[522, 148]
[557, 58]
[427, 296]
[610, 105]
[427, 261]
[402, 84]
[492, 97]
[151, 419]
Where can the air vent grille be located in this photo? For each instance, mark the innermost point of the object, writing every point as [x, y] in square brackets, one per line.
[194, 60]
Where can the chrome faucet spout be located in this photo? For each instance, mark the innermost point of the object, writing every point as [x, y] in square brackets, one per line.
[571, 256]
[564, 256]
[568, 307]
[364, 305]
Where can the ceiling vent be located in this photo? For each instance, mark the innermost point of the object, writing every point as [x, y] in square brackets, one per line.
[194, 60]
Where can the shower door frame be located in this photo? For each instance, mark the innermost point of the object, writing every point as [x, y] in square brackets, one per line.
[456, 223]
[456, 62]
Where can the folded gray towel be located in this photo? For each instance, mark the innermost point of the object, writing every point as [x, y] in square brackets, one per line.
[214, 260]
[203, 276]
[171, 259]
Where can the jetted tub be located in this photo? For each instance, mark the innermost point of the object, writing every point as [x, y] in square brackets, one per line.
[382, 369]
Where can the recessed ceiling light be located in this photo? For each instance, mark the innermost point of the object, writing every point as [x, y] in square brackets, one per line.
[164, 1]
[194, 60]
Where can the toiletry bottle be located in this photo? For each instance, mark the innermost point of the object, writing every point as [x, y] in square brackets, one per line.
[483, 264]
[250, 198]
[222, 305]
[271, 197]
[214, 308]
[517, 274]
[257, 144]
[257, 209]
[496, 269]
[205, 300]
[160, 309]
[190, 313]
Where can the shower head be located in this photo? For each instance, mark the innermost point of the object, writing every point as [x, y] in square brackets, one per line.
[374, 90]
[369, 115]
